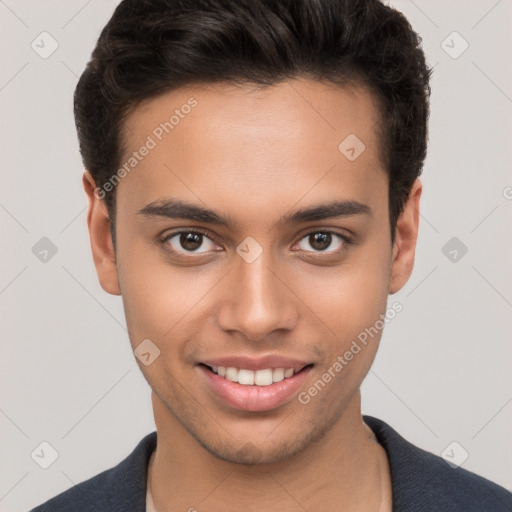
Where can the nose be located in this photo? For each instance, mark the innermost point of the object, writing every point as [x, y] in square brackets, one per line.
[258, 301]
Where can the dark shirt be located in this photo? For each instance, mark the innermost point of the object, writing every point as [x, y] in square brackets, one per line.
[422, 482]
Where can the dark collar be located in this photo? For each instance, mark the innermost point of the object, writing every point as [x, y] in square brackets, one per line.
[422, 482]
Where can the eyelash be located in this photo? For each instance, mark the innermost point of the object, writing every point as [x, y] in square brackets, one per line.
[344, 239]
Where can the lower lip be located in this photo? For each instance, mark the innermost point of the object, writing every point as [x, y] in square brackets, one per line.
[254, 398]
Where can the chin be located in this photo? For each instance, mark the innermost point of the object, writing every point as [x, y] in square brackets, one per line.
[261, 451]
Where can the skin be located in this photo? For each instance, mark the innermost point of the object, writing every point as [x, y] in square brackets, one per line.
[255, 155]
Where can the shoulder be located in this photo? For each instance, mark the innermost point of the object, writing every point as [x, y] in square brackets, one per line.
[423, 481]
[118, 489]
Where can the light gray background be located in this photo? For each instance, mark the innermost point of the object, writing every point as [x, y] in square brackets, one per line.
[67, 373]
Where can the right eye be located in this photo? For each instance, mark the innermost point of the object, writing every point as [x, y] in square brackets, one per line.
[189, 242]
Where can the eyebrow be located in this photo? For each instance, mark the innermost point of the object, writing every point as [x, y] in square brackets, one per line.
[176, 209]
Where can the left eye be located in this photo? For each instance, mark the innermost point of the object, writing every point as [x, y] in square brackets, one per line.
[190, 242]
[321, 240]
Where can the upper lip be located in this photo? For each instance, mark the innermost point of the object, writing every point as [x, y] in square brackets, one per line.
[260, 363]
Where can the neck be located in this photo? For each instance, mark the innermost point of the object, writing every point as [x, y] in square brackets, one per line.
[344, 470]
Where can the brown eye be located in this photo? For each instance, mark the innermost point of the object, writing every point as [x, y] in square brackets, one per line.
[319, 241]
[190, 242]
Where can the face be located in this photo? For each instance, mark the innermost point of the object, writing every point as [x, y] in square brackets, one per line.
[251, 246]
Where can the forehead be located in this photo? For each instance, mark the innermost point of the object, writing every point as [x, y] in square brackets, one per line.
[260, 110]
[240, 140]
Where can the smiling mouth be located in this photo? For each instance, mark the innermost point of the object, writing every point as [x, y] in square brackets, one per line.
[264, 377]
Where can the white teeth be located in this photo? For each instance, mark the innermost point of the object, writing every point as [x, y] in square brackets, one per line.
[250, 378]
[232, 374]
[246, 377]
[278, 374]
[263, 377]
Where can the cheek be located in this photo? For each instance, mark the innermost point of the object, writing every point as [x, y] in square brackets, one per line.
[351, 297]
[159, 300]
[349, 300]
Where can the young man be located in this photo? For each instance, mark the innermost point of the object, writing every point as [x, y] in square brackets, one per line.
[252, 175]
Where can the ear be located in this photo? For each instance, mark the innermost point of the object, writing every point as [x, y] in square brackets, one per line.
[102, 247]
[406, 236]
